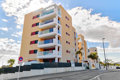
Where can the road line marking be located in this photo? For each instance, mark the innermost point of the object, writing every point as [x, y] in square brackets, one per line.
[96, 77]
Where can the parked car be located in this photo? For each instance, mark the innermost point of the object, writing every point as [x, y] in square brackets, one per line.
[117, 67]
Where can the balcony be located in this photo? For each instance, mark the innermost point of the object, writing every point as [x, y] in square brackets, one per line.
[48, 54]
[48, 23]
[48, 33]
[47, 43]
[47, 14]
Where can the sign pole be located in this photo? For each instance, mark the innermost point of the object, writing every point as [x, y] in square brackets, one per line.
[20, 62]
[18, 71]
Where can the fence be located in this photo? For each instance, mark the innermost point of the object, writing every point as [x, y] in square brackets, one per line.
[36, 66]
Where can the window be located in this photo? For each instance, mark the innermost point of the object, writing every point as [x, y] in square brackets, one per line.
[67, 51]
[67, 34]
[34, 42]
[34, 33]
[67, 25]
[36, 24]
[67, 18]
[68, 61]
[67, 42]
[34, 17]
[33, 52]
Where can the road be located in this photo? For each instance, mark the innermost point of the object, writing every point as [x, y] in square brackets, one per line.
[76, 75]
[108, 76]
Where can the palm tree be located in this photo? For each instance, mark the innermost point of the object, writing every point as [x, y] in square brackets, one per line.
[79, 52]
[11, 62]
[93, 56]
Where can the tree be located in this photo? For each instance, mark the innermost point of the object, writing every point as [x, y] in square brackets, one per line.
[11, 62]
[93, 56]
[79, 51]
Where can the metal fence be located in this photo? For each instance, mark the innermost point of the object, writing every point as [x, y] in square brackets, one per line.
[36, 66]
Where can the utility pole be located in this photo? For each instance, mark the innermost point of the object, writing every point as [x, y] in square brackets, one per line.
[104, 52]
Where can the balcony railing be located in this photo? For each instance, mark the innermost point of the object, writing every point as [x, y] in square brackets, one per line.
[47, 12]
[48, 21]
[59, 32]
[59, 21]
[46, 52]
[46, 31]
[59, 42]
[46, 41]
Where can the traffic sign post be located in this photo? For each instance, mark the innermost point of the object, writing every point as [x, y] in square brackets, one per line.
[20, 63]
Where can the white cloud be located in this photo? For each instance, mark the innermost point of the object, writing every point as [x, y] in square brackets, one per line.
[111, 53]
[8, 49]
[17, 34]
[18, 8]
[4, 28]
[94, 27]
[5, 20]
[18, 27]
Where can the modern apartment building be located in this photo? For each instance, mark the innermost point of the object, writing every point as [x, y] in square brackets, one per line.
[92, 50]
[93, 63]
[48, 36]
[82, 44]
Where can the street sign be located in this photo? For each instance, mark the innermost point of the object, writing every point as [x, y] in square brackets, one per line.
[20, 59]
[20, 63]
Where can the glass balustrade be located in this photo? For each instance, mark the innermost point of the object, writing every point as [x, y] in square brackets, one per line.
[59, 42]
[47, 52]
[47, 12]
[48, 21]
[46, 31]
[46, 41]
[59, 32]
[59, 21]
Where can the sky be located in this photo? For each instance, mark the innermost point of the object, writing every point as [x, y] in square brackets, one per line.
[94, 19]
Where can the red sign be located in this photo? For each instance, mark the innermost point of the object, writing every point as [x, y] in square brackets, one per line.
[20, 59]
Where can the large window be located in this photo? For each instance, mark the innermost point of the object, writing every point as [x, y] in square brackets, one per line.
[34, 17]
[34, 42]
[36, 24]
[67, 18]
[67, 25]
[67, 51]
[33, 52]
[34, 33]
[67, 42]
[67, 34]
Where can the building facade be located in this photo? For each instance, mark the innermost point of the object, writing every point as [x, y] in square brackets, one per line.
[82, 44]
[94, 64]
[48, 36]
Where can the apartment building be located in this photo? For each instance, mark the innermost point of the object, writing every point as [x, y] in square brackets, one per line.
[82, 44]
[48, 36]
[92, 50]
[93, 63]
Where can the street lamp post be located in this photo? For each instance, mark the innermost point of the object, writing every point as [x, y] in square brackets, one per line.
[104, 52]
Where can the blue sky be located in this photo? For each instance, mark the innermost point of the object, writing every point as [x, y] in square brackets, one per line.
[108, 8]
[10, 24]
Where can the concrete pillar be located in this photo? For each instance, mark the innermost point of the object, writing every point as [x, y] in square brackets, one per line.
[56, 59]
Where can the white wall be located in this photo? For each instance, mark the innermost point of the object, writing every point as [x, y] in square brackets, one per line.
[38, 72]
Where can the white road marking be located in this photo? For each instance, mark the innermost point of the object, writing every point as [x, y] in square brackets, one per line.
[96, 77]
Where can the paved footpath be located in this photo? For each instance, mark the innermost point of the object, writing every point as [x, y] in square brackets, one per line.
[76, 75]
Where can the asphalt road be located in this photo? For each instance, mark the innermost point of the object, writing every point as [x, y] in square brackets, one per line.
[76, 75]
[108, 76]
